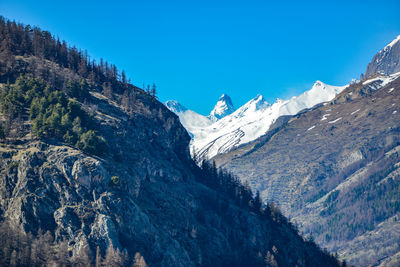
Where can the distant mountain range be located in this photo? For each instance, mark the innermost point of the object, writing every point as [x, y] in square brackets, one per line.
[226, 128]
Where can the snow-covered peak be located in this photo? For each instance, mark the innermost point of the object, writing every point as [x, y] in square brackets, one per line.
[319, 93]
[255, 104]
[223, 108]
[254, 118]
[318, 83]
[175, 106]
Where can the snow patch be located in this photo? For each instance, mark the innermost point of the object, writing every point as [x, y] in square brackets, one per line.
[390, 90]
[324, 117]
[312, 127]
[338, 119]
[385, 79]
[354, 112]
[394, 112]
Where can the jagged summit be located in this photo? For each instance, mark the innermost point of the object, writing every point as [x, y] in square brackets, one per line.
[255, 104]
[223, 108]
[386, 61]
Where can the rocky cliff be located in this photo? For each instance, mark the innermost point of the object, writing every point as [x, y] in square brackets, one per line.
[386, 61]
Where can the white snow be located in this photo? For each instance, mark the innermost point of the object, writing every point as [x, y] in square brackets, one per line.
[390, 90]
[354, 112]
[254, 119]
[394, 112]
[192, 121]
[338, 119]
[312, 127]
[223, 108]
[385, 79]
[392, 43]
[324, 117]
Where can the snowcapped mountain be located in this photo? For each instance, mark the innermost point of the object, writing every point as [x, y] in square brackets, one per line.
[223, 108]
[386, 61]
[213, 136]
[254, 118]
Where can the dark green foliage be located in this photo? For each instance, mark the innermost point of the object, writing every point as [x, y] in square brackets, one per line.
[226, 182]
[92, 143]
[78, 90]
[53, 115]
[12, 101]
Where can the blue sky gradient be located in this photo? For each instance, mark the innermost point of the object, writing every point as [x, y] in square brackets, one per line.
[196, 50]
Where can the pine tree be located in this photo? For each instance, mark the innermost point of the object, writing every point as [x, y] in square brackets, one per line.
[257, 202]
[123, 77]
[153, 91]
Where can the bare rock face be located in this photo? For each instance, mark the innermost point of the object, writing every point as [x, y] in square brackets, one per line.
[386, 61]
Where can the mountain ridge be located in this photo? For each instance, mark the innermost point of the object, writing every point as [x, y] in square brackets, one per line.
[250, 121]
[386, 61]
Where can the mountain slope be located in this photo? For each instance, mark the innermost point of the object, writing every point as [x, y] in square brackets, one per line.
[253, 119]
[103, 169]
[335, 170]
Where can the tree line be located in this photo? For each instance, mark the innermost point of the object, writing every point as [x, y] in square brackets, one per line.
[20, 249]
[24, 40]
[19, 40]
[53, 113]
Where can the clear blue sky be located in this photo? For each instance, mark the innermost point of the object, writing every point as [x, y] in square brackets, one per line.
[196, 50]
